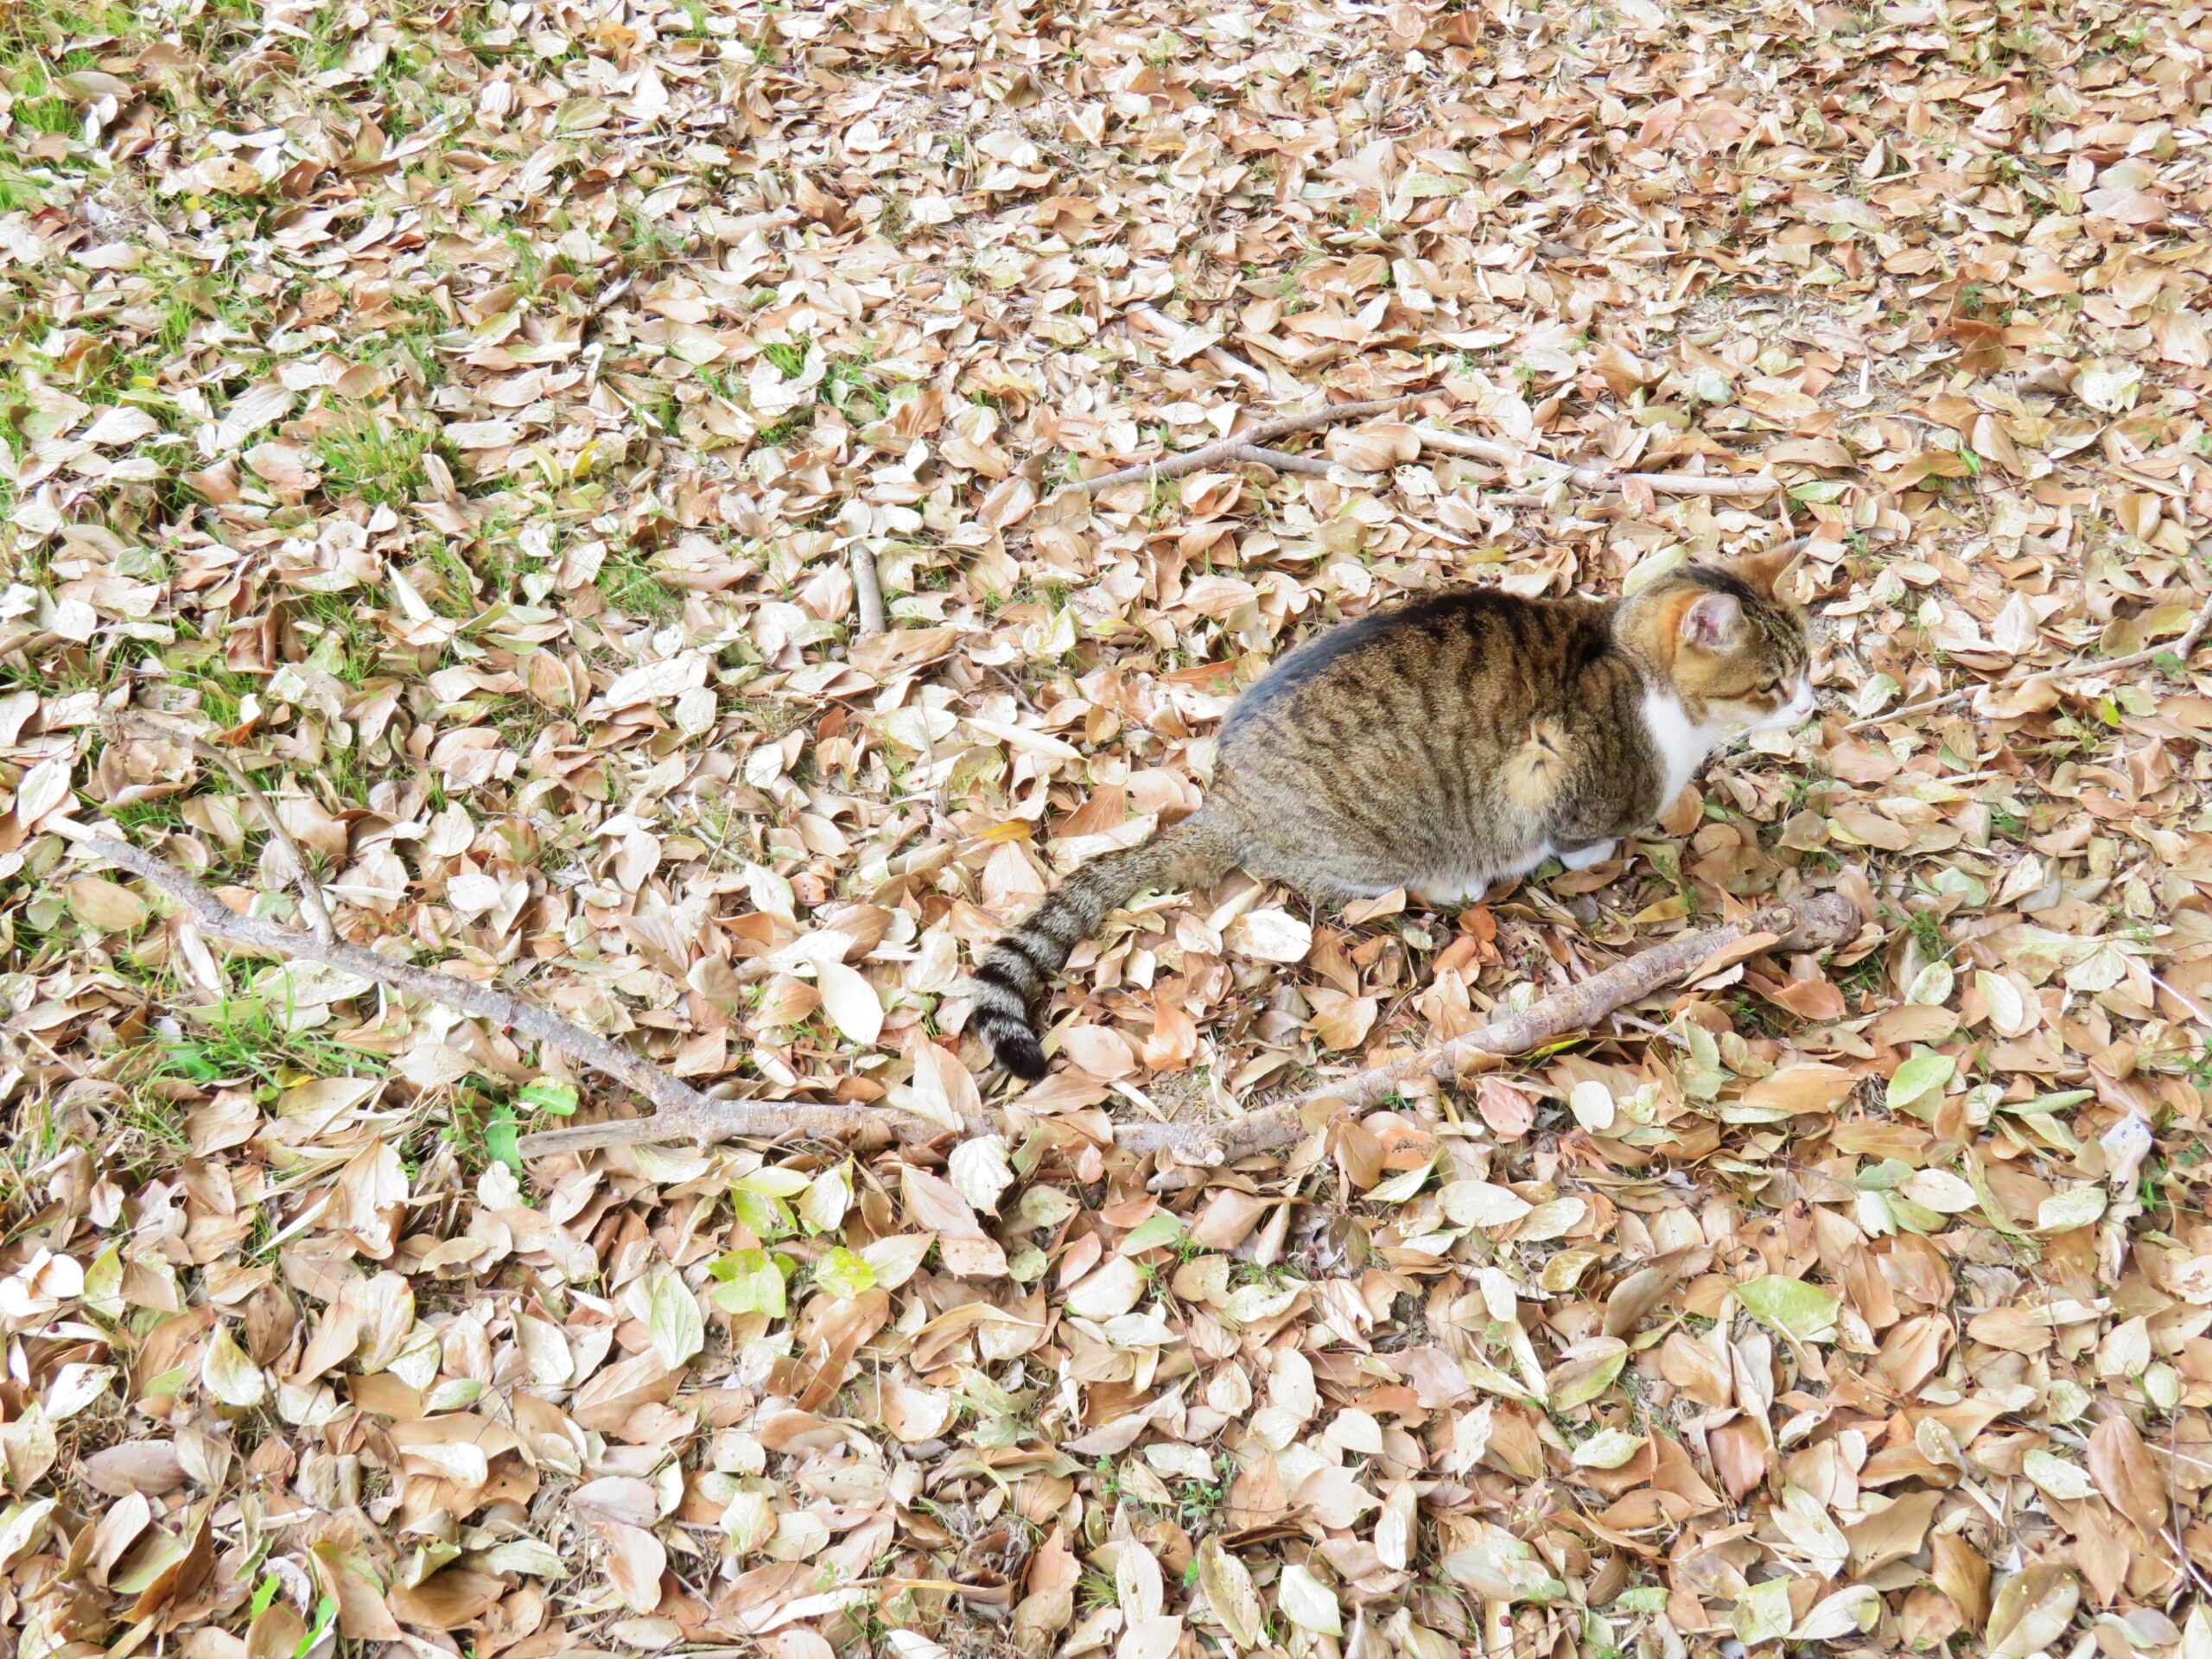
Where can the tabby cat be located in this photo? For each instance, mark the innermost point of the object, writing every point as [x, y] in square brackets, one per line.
[1443, 745]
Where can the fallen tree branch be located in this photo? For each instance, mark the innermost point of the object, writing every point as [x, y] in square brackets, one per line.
[2181, 648]
[1192, 460]
[143, 722]
[1593, 478]
[681, 1112]
[1804, 924]
[1282, 460]
[1253, 447]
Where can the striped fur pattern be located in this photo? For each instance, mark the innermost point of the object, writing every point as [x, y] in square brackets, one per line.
[1442, 746]
[1026, 960]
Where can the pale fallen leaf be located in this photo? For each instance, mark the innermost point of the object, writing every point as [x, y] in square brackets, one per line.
[1271, 935]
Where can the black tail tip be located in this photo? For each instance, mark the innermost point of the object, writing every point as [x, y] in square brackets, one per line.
[1020, 1052]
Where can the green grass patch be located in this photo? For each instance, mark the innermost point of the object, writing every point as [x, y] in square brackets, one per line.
[244, 1040]
[634, 589]
[374, 459]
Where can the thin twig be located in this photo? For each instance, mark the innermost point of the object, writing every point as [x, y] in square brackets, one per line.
[2181, 649]
[1591, 477]
[1803, 924]
[868, 587]
[2181, 1554]
[681, 1113]
[311, 905]
[1745, 488]
[1623, 1017]
[1252, 446]
[1194, 460]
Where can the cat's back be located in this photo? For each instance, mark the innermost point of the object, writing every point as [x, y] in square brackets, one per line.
[1444, 657]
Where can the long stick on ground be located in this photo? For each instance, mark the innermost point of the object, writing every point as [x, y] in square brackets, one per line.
[1194, 460]
[1593, 478]
[2181, 648]
[141, 723]
[1804, 924]
[1252, 446]
[681, 1112]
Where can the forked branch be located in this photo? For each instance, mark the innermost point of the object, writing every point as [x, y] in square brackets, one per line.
[1231, 448]
[1253, 447]
[681, 1112]
[1746, 486]
[1809, 923]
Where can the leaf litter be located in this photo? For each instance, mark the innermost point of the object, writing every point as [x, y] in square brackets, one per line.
[472, 422]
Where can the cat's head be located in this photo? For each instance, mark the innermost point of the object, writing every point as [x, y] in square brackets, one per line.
[1735, 651]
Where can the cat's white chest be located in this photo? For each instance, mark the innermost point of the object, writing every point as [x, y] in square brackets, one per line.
[1682, 745]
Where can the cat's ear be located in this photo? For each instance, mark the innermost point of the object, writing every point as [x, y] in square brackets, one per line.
[1712, 622]
[1766, 571]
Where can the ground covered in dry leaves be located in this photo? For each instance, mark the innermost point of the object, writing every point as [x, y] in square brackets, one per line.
[472, 418]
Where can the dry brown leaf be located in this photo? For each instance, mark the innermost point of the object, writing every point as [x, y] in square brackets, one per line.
[2125, 1473]
[635, 1561]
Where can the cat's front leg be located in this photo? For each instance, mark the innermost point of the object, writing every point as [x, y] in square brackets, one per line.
[1583, 857]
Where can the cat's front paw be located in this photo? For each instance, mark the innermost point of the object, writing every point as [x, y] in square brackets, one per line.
[1583, 857]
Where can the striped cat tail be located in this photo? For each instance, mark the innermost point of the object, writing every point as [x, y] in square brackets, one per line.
[1025, 960]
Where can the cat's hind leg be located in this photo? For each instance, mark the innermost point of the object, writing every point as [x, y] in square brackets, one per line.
[1328, 893]
[1583, 857]
[1454, 892]
[1322, 886]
